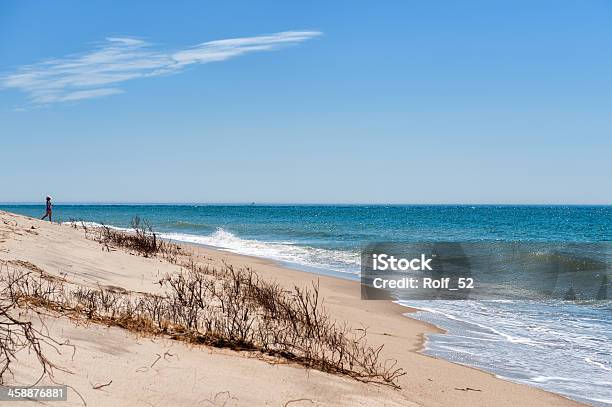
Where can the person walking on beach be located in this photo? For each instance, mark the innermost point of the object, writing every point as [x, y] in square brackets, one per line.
[49, 209]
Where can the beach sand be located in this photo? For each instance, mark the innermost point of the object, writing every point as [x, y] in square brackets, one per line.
[159, 371]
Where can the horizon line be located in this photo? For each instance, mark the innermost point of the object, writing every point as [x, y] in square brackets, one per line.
[254, 203]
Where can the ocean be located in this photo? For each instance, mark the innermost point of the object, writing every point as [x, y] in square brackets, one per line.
[563, 347]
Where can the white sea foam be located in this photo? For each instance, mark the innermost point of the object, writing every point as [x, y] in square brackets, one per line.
[335, 260]
[93, 225]
[598, 364]
[527, 342]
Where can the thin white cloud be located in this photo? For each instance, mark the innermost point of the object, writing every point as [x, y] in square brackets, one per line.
[88, 94]
[98, 72]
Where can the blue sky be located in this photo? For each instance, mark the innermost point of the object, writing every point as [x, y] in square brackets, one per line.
[389, 102]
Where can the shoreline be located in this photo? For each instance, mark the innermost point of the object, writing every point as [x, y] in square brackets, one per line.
[402, 310]
[428, 381]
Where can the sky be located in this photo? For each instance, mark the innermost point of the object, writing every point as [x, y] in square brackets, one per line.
[306, 102]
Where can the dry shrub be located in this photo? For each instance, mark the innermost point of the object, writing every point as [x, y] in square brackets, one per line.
[225, 307]
[141, 239]
[17, 335]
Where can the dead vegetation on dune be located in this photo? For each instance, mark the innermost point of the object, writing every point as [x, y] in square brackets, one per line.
[217, 306]
[18, 334]
[140, 239]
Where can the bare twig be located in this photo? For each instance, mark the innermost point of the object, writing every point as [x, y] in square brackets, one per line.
[99, 386]
[297, 401]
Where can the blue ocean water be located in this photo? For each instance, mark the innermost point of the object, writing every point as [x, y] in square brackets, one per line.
[562, 347]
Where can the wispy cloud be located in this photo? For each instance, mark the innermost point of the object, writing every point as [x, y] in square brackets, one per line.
[98, 72]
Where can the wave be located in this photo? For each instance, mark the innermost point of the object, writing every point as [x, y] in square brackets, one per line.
[179, 224]
[334, 260]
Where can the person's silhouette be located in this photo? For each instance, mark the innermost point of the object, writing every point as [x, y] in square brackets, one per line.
[49, 209]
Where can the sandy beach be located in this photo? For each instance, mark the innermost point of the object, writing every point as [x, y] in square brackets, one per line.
[145, 370]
